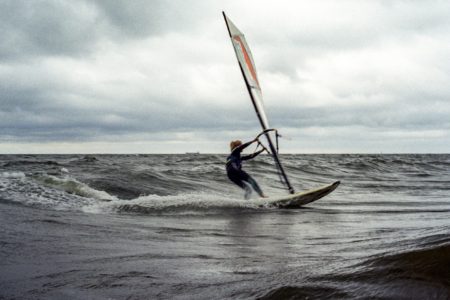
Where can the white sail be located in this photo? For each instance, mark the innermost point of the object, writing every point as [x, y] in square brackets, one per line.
[247, 64]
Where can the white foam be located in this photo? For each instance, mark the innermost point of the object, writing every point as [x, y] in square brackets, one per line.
[12, 175]
[73, 186]
[190, 201]
[17, 187]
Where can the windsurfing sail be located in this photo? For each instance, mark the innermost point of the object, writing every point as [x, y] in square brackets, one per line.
[247, 66]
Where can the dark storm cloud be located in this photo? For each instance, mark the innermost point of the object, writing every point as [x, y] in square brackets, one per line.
[74, 28]
[37, 103]
[30, 28]
[40, 114]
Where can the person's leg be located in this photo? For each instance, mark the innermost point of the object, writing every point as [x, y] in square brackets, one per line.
[248, 190]
[256, 186]
[237, 178]
[253, 183]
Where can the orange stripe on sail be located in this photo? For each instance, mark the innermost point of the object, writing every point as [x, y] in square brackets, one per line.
[247, 59]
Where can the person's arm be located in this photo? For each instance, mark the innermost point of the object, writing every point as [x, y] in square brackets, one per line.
[242, 147]
[252, 155]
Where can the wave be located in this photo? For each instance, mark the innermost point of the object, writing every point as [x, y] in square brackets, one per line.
[30, 162]
[413, 274]
[421, 273]
[48, 191]
[430, 265]
[305, 292]
[68, 193]
[73, 186]
[149, 183]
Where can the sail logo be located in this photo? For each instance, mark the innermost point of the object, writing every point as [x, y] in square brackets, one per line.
[247, 59]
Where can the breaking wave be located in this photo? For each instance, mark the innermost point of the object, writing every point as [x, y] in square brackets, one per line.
[154, 183]
[68, 193]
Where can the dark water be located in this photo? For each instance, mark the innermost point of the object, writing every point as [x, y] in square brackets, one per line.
[173, 227]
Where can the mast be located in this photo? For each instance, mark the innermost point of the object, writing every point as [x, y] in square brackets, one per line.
[243, 56]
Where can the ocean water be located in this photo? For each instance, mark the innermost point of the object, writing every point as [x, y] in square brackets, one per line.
[174, 227]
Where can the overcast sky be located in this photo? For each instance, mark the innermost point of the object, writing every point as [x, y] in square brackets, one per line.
[161, 76]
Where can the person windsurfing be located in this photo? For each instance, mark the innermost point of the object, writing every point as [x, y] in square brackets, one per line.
[234, 168]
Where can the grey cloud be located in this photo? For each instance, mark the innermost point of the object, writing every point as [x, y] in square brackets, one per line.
[380, 23]
[74, 28]
[31, 28]
[42, 100]
[141, 18]
[43, 114]
[392, 116]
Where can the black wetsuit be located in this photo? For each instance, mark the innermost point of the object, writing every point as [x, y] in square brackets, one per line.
[237, 175]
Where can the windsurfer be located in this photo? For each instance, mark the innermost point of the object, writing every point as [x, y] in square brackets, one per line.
[234, 168]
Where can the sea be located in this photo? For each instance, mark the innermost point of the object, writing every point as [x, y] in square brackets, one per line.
[174, 227]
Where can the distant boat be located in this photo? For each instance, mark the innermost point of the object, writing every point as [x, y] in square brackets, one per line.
[192, 153]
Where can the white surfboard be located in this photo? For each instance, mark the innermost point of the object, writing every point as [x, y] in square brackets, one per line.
[299, 199]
